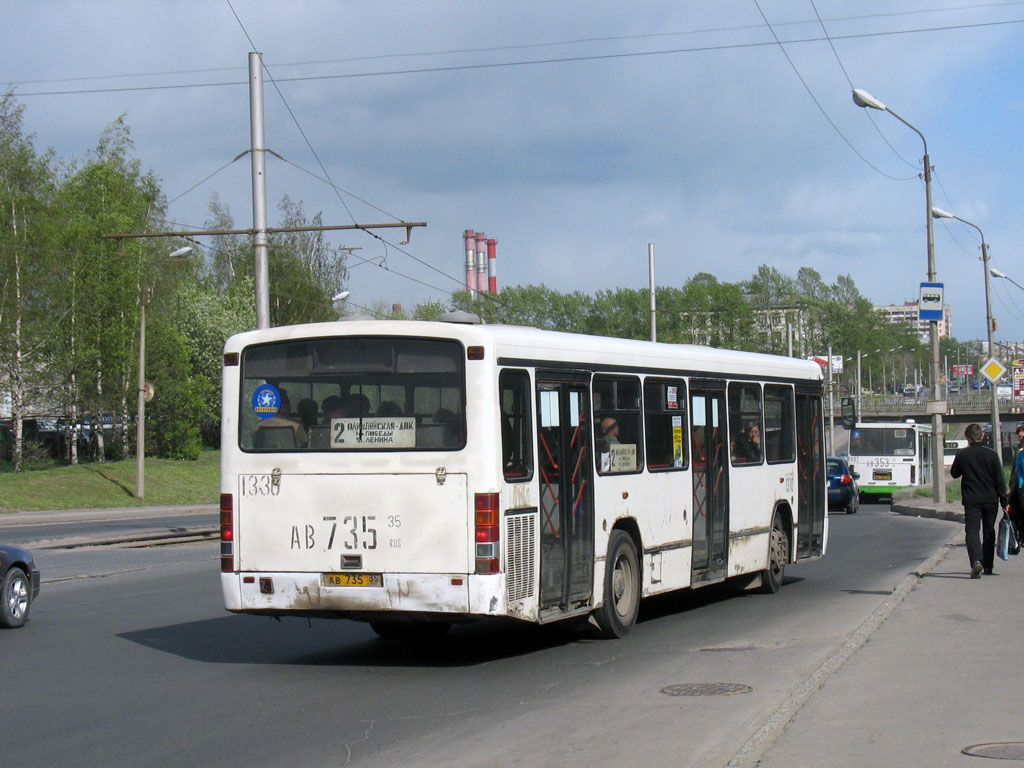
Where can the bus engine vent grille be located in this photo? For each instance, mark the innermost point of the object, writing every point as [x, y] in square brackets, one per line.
[520, 561]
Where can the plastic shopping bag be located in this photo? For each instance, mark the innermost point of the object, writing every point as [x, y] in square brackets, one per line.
[1005, 538]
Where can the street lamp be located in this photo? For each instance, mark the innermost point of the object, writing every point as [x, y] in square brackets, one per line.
[145, 392]
[864, 99]
[996, 273]
[996, 434]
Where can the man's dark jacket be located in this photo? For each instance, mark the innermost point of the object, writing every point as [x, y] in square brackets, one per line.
[983, 479]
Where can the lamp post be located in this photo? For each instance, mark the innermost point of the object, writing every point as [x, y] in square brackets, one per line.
[997, 438]
[864, 99]
[140, 426]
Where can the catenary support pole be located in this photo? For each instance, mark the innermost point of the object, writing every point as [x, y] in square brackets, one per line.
[259, 190]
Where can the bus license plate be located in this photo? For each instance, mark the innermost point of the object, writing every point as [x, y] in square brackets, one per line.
[351, 580]
[881, 474]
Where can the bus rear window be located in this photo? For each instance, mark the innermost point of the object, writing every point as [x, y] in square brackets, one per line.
[882, 441]
[353, 393]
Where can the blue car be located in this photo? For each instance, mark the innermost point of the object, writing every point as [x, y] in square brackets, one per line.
[843, 492]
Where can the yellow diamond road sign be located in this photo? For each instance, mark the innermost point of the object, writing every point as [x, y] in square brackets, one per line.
[993, 370]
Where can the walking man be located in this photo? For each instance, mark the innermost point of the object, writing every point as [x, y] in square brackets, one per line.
[982, 491]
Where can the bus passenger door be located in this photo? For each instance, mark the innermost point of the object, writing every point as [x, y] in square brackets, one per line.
[811, 503]
[710, 464]
[566, 494]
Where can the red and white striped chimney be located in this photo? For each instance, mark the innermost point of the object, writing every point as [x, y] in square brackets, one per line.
[481, 262]
[470, 238]
[492, 266]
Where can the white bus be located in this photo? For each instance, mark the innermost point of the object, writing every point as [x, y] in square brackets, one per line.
[414, 474]
[890, 455]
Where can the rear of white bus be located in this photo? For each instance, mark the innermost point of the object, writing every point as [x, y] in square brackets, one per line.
[886, 457]
[367, 511]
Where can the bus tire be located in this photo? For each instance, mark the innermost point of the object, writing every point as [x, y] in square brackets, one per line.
[621, 587]
[778, 554]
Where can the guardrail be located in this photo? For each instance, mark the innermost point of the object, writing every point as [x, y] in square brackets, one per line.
[970, 404]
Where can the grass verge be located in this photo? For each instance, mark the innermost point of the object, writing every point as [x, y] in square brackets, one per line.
[953, 487]
[112, 484]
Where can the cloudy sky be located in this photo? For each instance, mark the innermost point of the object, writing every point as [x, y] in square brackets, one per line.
[575, 133]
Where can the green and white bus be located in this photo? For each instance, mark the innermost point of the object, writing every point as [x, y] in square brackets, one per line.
[890, 455]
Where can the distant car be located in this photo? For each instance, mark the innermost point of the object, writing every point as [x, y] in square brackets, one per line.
[843, 492]
[19, 585]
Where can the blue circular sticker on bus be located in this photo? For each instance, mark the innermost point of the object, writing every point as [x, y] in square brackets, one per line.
[266, 401]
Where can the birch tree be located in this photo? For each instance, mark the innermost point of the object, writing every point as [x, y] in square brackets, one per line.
[26, 185]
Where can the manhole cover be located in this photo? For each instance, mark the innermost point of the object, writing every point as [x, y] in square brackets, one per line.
[1000, 750]
[705, 689]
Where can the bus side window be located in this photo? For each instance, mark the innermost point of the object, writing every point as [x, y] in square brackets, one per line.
[779, 423]
[665, 424]
[514, 418]
[745, 424]
[617, 424]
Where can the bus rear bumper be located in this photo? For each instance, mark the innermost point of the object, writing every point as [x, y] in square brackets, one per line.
[282, 593]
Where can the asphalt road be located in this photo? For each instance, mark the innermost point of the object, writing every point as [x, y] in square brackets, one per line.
[129, 659]
[74, 527]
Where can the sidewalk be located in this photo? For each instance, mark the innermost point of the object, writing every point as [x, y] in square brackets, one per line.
[938, 675]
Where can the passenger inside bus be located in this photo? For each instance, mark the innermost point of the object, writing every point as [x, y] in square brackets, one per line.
[282, 430]
[389, 408]
[333, 407]
[307, 412]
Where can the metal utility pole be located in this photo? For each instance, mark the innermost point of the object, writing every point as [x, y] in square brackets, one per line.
[259, 190]
[654, 306]
[831, 406]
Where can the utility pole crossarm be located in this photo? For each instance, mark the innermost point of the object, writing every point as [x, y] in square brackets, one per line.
[407, 225]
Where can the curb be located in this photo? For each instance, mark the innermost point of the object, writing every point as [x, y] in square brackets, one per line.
[941, 512]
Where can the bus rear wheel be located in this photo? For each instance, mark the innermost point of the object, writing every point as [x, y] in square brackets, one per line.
[621, 587]
[778, 554]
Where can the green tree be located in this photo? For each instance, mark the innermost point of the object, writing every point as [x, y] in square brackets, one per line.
[305, 271]
[206, 318]
[173, 417]
[26, 265]
[110, 194]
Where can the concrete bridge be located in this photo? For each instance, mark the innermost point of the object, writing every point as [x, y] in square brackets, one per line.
[960, 409]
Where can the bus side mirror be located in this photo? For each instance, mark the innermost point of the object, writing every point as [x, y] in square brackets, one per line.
[848, 412]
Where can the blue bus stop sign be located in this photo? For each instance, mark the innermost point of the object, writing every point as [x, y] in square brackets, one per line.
[930, 302]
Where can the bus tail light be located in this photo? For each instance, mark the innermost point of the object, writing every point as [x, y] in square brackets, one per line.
[913, 474]
[227, 533]
[487, 526]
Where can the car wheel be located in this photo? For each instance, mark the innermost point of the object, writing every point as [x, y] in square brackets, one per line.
[17, 598]
[778, 554]
[621, 587]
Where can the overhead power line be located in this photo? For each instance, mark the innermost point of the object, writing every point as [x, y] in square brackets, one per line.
[526, 46]
[533, 62]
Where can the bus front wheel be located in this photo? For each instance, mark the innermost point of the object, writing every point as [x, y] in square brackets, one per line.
[621, 587]
[778, 554]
